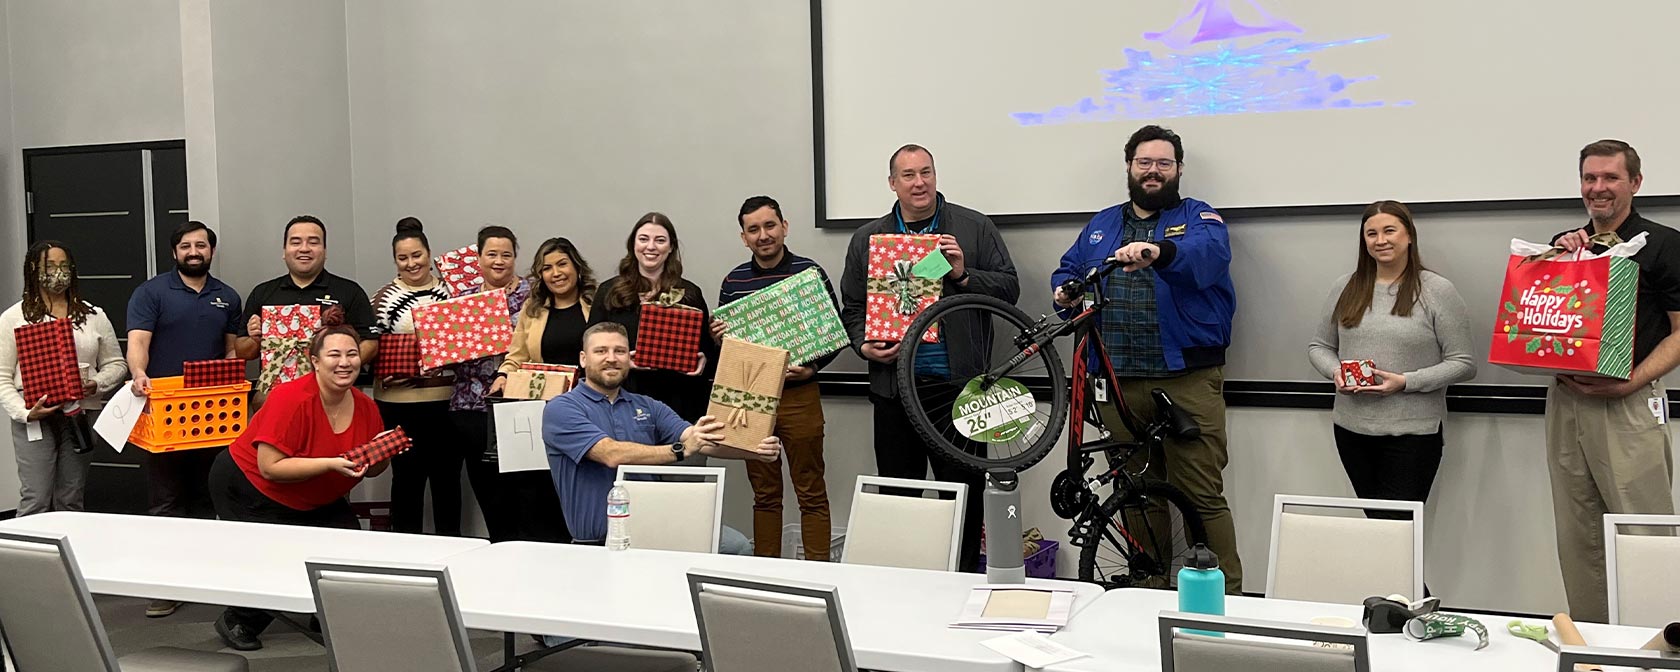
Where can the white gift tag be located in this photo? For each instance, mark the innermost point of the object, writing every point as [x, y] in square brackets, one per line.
[1099, 389]
[32, 430]
[1659, 409]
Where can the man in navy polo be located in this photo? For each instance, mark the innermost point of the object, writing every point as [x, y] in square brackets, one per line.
[180, 316]
[594, 428]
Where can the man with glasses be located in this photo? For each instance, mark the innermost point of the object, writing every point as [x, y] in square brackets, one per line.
[1168, 322]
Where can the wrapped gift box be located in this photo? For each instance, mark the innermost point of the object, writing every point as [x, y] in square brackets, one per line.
[540, 381]
[384, 446]
[747, 391]
[286, 331]
[896, 294]
[212, 372]
[399, 356]
[796, 314]
[463, 329]
[46, 356]
[668, 337]
[459, 270]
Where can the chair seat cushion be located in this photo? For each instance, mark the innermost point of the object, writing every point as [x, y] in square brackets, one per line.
[615, 659]
[171, 659]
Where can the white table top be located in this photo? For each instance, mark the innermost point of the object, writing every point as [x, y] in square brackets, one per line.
[1119, 631]
[897, 618]
[221, 562]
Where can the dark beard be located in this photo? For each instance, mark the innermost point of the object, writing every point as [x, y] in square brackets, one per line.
[201, 271]
[1161, 199]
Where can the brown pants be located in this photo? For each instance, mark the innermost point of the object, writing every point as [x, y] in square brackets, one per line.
[799, 423]
[1605, 456]
[1196, 466]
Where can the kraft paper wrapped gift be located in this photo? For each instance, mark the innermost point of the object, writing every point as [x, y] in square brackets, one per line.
[747, 392]
[897, 294]
[286, 331]
[539, 381]
[463, 329]
[796, 314]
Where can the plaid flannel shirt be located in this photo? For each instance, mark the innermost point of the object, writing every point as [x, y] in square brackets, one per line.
[1131, 328]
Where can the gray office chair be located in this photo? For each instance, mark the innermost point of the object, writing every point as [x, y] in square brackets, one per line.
[1570, 656]
[1186, 652]
[49, 623]
[751, 625]
[389, 616]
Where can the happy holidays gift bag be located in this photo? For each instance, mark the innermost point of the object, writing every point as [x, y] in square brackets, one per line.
[1568, 313]
[747, 392]
[796, 314]
[898, 287]
[286, 331]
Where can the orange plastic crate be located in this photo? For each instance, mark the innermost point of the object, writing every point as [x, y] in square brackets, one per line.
[178, 418]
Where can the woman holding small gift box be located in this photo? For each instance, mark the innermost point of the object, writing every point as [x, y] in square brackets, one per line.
[52, 447]
[1410, 324]
[419, 403]
[651, 273]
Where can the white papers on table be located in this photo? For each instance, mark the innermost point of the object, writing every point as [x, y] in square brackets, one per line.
[1032, 649]
[121, 413]
[1016, 607]
[519, 443]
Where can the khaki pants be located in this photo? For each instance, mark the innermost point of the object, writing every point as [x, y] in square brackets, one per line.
[1606, 456]
[1196, 466]
[799, 423]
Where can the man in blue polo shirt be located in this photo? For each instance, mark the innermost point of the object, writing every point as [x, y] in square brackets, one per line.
[596, 427]
[180, 316]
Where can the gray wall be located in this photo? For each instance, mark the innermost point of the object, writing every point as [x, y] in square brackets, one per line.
[11, 241]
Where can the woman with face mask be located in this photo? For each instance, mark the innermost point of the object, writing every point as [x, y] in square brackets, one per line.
[52, 442]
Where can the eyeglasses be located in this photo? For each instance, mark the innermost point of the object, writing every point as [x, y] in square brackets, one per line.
[50, 266]
[1146, 164]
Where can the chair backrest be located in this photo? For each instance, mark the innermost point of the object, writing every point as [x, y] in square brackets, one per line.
[893, 525]
[377, 617]
[1341, 559]
[1640, 554]
[1185, 652]
[1570, 656]
[47, 617]
[674, 508]
[751, 625]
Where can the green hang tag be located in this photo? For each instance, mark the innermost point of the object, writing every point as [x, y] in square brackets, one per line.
[1000, 414]
[933, 266]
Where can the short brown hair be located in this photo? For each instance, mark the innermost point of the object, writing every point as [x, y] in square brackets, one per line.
[892, 161]
[1608, 147]
[604, 328]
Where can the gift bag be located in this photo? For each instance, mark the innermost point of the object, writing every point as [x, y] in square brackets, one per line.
[46, 360]
[796, 315]
[747, 391]
[459, 270]
[539, 381]
[384, 446]
[900, 286]
[286, 331]
[668, 337]
[399, 356]
[212, 372]
[1568, 313]
[463, 329]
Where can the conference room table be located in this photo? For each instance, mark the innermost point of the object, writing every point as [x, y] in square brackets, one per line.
[1119, 632]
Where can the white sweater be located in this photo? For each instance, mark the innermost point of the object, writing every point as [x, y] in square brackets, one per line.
[96, 346]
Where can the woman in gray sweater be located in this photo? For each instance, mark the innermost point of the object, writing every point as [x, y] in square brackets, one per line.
[1410, 323]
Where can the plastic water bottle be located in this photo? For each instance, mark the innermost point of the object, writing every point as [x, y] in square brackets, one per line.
[618, 517]
[1201, 586]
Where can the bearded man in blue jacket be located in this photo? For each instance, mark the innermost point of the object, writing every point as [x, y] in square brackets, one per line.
[1168, 323]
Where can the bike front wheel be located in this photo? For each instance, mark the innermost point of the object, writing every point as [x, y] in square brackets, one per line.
[967, 417]
[1141, 540]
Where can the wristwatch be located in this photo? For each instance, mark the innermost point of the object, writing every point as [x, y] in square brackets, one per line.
[677, 451]
[961, 278]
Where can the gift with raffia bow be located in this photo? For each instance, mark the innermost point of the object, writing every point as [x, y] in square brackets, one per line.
[286, 331]
[897, 292]
[539, 381]
[747, 391]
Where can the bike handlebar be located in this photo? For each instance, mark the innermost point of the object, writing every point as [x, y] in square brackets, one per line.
[1076, 287]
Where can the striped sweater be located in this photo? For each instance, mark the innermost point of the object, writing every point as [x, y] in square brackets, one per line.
[393, 313]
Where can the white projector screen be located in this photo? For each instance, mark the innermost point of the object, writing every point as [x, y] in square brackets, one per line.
[1027, 105]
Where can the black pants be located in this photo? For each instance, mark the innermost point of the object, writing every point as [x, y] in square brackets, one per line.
[1390, 467]
[900, 453]
[434, 458]
[178, 483]
[521, 506]
[236, 499]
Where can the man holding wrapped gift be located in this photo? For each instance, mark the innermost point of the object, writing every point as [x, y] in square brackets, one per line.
[799, 415]
[307, 283]
[1608, 440]
[1169, 322]
[979, 263]
[591, 430]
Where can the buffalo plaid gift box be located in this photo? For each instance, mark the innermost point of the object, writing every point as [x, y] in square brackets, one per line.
[399, 356]
[459, 270]
[896, 294]
[47, 362]
[540, 381]
[212, 372]
[463, 329]
[384, 446]
[668, 337]
[286, 331]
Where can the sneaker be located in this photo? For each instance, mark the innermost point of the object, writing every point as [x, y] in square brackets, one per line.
[161, 608]
[236, 635]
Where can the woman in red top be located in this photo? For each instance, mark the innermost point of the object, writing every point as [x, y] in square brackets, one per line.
[285, 467]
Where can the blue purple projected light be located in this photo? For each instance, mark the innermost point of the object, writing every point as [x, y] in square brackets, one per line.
[1216, 63]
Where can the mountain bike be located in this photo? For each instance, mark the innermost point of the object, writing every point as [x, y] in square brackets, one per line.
[998, 414]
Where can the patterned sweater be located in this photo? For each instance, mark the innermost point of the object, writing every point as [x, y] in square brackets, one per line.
[393, 313]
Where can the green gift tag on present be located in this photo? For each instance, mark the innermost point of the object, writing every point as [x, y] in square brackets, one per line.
[933, 266]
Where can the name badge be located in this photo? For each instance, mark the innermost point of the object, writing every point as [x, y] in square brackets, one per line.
[1659, 409]
[1175, 230]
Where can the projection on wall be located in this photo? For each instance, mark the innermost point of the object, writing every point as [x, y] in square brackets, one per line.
[1221, 57]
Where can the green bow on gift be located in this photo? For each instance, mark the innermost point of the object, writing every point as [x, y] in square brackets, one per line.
[743, 401]
[904, 283]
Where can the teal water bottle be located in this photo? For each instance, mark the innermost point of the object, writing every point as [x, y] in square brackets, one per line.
[1201, 586]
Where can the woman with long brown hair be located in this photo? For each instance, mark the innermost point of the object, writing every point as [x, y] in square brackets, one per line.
[1410, 324]
[651, 272]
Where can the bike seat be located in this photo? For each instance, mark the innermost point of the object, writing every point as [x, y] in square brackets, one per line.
[1179, 422]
